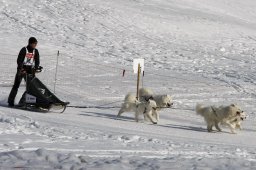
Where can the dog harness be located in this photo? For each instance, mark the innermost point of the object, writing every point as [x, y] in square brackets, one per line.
[214, 111]
[29, 58]
[145, 111]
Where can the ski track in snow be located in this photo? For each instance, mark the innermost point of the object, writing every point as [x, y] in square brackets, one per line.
[197, 51]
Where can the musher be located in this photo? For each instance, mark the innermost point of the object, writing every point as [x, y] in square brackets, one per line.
[28, 61]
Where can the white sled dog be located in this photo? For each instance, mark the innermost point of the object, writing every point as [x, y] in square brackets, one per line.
[145, 107]
[228, 115]
[148, 109]
[162, 101]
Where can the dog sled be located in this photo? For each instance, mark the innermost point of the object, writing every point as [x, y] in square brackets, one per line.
[38, 97]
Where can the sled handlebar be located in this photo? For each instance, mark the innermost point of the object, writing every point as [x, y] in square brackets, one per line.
[39, 69]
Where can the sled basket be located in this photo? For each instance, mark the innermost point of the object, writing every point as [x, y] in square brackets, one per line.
[39, 96]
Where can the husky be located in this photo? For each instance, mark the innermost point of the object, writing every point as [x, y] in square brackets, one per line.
[227, 115]
[145, 94]
[148, 109]
[162, 101]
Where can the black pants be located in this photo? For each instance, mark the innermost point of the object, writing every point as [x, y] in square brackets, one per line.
[18, 78]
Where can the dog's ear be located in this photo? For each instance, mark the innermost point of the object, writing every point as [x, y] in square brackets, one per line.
[233, 105]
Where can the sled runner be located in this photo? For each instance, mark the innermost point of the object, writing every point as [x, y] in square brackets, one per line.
[38, 97]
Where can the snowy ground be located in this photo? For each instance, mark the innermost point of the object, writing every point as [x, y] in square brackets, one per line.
[196, 50]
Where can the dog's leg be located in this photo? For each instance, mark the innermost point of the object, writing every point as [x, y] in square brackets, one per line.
[125, 108]
[156, 115]
[145, 117]
[120, 112]
[209, 126]
[238, 126]
[217, 126]
[149, 115]
[232, 127]
[137, 116]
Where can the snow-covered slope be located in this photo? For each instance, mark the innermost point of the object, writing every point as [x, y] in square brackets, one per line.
[199, 51]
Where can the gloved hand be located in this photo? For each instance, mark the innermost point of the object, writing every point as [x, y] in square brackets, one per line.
[22, 71]
[38, 69]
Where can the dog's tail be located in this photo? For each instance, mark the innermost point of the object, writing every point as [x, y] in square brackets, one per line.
[199, 109]
[144, 92]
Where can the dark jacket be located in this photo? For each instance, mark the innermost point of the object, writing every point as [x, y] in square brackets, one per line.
[22, 55]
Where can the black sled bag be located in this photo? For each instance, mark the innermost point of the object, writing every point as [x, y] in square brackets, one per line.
[39, 95]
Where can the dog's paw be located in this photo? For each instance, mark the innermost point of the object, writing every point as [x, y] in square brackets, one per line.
[154, 123]
[209, 130]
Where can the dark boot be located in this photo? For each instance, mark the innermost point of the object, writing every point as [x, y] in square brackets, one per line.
[11, 97]
[22, 101]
